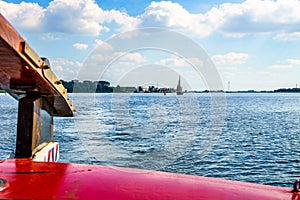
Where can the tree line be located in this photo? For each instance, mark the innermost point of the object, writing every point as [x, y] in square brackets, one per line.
[75, 86]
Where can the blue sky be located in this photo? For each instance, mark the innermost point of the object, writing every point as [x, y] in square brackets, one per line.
[254, 44]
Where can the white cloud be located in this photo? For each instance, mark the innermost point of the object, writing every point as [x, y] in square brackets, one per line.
[290, 63]
[279, 67]
[65, 69]
[281, 17]
[122, 18]
[66, 16]
[103, 45]
[133, 57]
[74, 17]
[257, 16]
[58, 68]
[176, 62]
[293, 61]
[80, 46]
[65, 63]
[104, 59]
[180, 62]
[288, 36]
[231, 19]
[231, 58]
[51, 37]
[173, 15]
[270, 74]
[195, 62]
[26, 16]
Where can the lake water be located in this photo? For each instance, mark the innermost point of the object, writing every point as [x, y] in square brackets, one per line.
[246, 137]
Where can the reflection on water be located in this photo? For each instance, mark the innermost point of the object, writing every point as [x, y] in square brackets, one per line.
[251, 137]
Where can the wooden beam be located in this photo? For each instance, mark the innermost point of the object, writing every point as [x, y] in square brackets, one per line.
[35, 124]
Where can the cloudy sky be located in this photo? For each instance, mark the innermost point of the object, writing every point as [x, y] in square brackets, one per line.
[253, 44]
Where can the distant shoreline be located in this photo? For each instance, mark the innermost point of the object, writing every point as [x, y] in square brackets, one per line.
[76, 86]
[191, 92]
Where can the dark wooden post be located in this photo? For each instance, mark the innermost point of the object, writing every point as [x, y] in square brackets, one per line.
[35, 124]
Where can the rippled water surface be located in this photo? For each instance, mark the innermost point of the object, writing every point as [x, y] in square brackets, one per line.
[247, 137]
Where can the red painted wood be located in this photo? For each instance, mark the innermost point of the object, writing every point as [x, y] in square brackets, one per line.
[39, 180]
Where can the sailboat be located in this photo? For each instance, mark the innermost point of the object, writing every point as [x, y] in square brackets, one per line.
[179, 88]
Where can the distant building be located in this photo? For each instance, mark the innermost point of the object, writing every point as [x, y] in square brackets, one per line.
[167, 90]
[179, 88]
[142, 89]
[119, 89]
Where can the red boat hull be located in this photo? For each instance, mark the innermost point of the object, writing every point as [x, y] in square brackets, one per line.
[38, 180]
